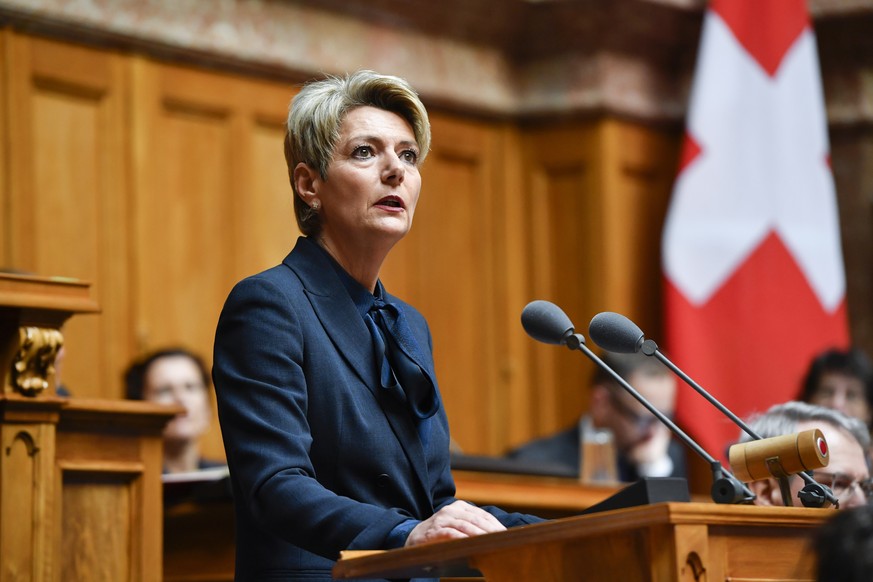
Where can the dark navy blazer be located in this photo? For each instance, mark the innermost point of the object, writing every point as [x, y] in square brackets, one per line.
[320, 459]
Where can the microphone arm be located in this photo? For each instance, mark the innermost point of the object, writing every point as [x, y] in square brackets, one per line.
[813, 494]
[624, 336]
[547, 323]
[650, 348]
[725, 487]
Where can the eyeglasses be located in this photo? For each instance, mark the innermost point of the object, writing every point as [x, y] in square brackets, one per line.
[844, 486]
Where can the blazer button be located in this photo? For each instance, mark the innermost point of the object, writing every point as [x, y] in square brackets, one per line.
[383, 481]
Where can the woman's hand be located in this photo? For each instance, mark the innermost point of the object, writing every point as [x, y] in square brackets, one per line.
[458, 520]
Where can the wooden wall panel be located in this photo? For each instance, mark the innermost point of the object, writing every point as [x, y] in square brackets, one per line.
[564, 184]
[640, 166]
[598, 194]
[509, 213]
[853, 174]
[516, 396]
[448, 270]
[185, 176]
[66, 192]
[268, 227]
[212, 199]
[27, 532]
[6, 243]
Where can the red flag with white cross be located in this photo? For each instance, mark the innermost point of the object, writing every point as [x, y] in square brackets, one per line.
[753, 268]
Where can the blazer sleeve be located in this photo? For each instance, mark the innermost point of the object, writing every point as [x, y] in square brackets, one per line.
[262, 395]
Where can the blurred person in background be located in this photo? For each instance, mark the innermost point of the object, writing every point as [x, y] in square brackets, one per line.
[180, 377]
[844, 546]
[644, 447]
[842, 380]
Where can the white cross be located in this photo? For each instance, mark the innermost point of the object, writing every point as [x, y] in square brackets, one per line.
[762, 168]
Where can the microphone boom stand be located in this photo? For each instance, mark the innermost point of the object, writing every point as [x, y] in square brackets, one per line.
[725, 487]
[813, 493]
[616, 333]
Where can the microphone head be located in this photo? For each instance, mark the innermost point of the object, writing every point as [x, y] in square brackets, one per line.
[615, 333]
[546, 322]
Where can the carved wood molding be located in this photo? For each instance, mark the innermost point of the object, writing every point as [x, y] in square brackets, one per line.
[519, 58]
[33, 368]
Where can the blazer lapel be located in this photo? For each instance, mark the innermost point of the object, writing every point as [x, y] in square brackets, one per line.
[337, 313]
[350, 336]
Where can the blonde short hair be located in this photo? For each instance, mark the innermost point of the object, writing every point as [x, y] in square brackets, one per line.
[317, 112]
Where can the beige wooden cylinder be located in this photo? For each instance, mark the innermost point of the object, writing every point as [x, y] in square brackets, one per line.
[794, 453]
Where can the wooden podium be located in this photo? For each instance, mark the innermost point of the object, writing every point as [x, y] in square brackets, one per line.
[199, 542]
[80, 480]
[691, 542]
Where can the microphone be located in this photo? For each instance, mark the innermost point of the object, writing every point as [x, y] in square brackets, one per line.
[779, 456]
[616, 333]
[547, 323]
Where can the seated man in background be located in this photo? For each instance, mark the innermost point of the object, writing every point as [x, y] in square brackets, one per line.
[176, 376]
[847, 473]
[644, 446]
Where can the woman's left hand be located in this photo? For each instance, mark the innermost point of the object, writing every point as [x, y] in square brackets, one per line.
[458, 520]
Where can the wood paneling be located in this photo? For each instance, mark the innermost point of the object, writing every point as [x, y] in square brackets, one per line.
[97, 545]
[446, 269]
[161, 185]
[27, 534]
[853, 173]
[597, 194]
[66, 192]
[186, 175]
[80, 489]
[513, 290]
[5, 187]
[639, 166]
[566, 265]
[212, 199]
[164, 185]
[109, 494]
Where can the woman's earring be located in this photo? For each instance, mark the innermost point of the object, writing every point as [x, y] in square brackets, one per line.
[315, 205]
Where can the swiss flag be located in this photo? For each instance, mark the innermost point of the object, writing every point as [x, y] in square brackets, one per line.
[754, 276]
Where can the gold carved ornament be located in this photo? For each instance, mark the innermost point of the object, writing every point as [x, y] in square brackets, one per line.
[34, 363]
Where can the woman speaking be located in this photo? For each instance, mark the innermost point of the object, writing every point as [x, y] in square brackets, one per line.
[335, 433]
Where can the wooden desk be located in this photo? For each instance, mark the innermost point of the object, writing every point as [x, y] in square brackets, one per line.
[199, 542]
[80, 494]
[548, 497]
[661, 542]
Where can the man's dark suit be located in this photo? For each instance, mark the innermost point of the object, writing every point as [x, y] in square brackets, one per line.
[562, 449]
[320, 459]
